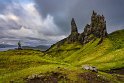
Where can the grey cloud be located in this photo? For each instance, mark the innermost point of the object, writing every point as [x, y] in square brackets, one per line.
[58, 9]
[81, 10]
[34, 31]
[62, 12]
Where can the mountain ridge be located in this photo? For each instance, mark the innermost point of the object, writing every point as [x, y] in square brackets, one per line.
[6, 45]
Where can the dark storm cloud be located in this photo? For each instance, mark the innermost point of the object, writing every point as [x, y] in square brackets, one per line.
[48, 21]
[21, 20]
[81, 10]
[56, 8]
[4, 3]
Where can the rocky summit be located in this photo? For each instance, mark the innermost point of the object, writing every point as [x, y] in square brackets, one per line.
[96, 29]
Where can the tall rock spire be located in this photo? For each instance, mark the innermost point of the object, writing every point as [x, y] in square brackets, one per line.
[73, 37]
[96, 29]
[73, 27]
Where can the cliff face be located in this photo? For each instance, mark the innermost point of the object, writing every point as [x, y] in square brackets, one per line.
[96, 29]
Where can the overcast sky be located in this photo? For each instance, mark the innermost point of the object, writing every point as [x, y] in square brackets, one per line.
[44, 22]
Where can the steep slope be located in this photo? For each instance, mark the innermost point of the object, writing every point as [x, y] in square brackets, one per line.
[75, 41]
[117, 39]
[94, 46]
[107, 55]
[112, 57]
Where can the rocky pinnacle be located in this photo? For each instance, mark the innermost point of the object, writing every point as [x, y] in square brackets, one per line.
[96, 29]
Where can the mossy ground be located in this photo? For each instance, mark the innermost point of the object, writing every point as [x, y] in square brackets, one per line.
[16, 65]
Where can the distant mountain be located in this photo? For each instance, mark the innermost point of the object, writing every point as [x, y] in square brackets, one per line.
[40, 47]
[6, 46]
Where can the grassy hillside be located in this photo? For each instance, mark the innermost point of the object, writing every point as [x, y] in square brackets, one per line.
[66, 61]
[107, 55]
[16, 64]
[117, 39]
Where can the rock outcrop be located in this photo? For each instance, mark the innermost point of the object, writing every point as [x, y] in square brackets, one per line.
[73, 37]
[98, 25]
[96, 29]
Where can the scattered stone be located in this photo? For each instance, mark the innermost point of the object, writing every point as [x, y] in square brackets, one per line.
[39, 76]
[49, 77]
[86, 67]
[91, 68]
[11, 81]
[32, 76]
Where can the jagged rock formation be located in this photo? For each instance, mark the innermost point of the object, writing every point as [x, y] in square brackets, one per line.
[96, 29]
[73, 37]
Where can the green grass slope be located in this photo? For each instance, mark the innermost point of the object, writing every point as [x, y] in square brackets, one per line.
[14, 60]
[16, 65]
[117, 39]
[64, 50]
[107, 55]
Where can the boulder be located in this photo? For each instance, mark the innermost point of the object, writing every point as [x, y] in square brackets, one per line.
[91, 68]
[32, 76]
